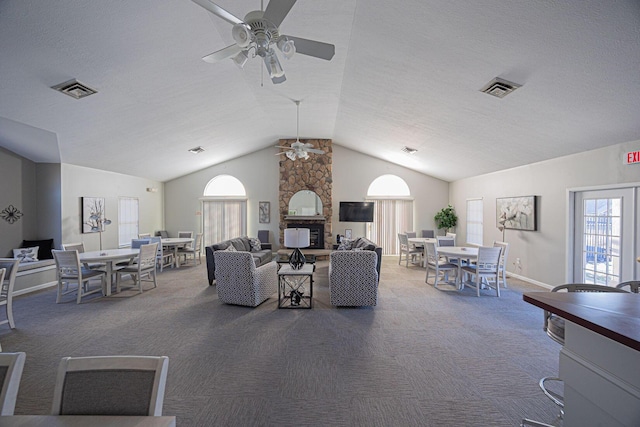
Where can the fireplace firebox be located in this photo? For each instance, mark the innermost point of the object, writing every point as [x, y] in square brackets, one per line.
[316, 232]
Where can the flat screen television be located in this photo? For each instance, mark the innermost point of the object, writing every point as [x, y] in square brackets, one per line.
[356, 211]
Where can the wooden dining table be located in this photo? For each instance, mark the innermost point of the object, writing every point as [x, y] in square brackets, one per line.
[109, 257]
[461, 253]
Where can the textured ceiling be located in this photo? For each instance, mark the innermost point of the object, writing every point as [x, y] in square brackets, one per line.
[405, 73]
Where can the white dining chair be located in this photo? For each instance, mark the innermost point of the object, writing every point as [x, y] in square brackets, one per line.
[110, 385]
[486, 267]
[503, 261]
[69, 269]
[433, 262]
[144, 267]
[8, 281]
[194, 251]
[11, 364]
[407, 250]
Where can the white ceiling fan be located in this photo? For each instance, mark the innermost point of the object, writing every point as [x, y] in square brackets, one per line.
[298, 150]
[258, 34]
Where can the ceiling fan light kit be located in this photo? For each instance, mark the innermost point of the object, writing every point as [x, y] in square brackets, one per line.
[298, 150]
[258, 32]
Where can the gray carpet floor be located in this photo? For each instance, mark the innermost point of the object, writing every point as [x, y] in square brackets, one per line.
[422, 357]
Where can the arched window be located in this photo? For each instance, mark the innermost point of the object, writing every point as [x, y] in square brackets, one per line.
[225, 186]
[393, 212]
[224, 209]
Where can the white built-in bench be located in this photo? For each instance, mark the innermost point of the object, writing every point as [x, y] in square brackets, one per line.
[33, 276]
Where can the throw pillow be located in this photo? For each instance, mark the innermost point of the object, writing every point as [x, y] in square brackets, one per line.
[45, 246]
[345, 244]
[231, 248]
[26, 254]
[256, 245]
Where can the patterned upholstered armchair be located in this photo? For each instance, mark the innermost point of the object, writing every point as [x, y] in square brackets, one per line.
[240, 282]
[353, 278]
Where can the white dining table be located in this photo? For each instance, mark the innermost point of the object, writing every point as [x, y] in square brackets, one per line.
[174, 243]
[460, 252]
[86, 420]
[108, 257]
[420, 241]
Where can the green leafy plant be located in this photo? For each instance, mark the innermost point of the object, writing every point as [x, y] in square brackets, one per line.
[446, 218]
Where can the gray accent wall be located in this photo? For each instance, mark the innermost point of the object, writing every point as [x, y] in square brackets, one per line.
[543, 253]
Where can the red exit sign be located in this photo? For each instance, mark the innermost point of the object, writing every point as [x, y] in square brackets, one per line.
[633, 157]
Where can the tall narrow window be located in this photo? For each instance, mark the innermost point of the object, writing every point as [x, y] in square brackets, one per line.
[224, 209]
[393, 212]
[128, 220]
[474, 221]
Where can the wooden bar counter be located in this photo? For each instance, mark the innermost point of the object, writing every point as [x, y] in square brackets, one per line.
[601, 355]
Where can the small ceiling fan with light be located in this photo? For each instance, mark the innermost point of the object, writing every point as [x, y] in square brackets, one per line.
[298, 150]
[259, 33]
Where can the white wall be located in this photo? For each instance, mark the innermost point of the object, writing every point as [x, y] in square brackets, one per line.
[353, 172]
[78, 182]
[259, 172]
[543, 253]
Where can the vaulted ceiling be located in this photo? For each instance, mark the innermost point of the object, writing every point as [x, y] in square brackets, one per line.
[405, 73]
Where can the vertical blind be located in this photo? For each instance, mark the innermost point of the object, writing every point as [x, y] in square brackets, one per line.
[474, 221]
[223, 220]
[128, 220]
[390, 217]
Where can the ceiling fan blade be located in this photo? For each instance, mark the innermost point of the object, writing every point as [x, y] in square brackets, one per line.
[314, 150]
[219, 12]
[221, 54]
[280, 146]
[277, 10]
[313, 48]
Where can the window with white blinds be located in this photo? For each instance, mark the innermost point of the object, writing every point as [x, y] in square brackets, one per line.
[224, 209]
[474, 221]
[390, 217]
[223, 220]
[128, 220]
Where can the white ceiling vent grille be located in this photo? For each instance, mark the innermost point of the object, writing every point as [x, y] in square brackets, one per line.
[499, 87]
[196, 150]
[409, 150]
[74, 89]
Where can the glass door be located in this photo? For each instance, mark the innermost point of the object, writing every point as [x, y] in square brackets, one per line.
[604, 236]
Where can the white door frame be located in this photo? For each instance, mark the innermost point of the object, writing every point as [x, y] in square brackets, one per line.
[570, 229]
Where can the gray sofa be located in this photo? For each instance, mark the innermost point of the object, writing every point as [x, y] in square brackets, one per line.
[241, 244]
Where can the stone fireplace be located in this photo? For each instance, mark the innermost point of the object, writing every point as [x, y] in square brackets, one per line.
[312, 174]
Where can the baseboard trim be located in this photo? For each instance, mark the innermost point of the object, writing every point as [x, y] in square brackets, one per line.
[34, 288]
[528, 280]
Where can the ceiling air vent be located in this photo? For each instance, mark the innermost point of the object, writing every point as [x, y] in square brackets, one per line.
[196, 150]
[499, 87]
[74, 89]
[409, 150]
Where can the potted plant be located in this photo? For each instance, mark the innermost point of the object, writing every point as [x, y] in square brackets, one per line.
[446, 218]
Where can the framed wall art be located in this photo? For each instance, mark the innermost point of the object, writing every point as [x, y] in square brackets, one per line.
[517, 213]
[92, 214]
[264, 212]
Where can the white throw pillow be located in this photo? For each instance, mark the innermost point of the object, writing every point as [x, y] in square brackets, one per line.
[256, 245]
[231, 248]
[26, 254]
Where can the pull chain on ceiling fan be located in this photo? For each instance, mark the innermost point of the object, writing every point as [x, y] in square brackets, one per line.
[298, 150]
[259, 33]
